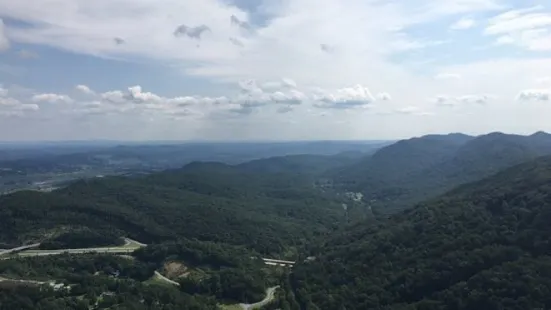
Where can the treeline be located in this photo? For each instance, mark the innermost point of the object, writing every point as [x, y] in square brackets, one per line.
[72, 268]
[102, 294]
[90, 281]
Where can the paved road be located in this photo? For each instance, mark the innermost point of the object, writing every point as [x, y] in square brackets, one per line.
[127, 248]
[270, 295]
[18, 249]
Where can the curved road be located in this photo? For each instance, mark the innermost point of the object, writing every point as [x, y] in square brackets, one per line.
[270, 295]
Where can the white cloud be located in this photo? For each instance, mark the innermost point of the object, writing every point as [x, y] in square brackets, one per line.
[392, 46]
[345, 98]
[84, 89]
[535, 95]
[135, 94]
[13, 107]
[518, 20]
[4, 41]
[27, 107]
[412, 110]
[283, 83]
[358, 33]
[51, 98]
[6, 101]
[464, 23]
[528, 28]
[450, 101]
[544, 80]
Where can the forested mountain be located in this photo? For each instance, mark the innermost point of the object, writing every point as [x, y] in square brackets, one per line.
[313, 165]
[271, 213]
[412, 170]
[484, 245]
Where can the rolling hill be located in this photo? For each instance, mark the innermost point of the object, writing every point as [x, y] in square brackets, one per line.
[484, 245]
[271, 213]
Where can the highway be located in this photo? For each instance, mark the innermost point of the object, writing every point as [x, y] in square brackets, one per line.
[18, 249]
[129, 247]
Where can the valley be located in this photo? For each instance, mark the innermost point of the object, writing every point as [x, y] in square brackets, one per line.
[407, 225]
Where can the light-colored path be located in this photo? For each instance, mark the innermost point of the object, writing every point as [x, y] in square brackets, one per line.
[270, 295]
[167, 280]
[22, 281]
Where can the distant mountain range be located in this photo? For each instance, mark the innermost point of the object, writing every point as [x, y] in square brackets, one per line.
[408, 171]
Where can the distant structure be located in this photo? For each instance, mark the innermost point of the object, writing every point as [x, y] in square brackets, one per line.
[277, 262]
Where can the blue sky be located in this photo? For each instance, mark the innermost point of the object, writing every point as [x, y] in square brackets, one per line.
[244, 69]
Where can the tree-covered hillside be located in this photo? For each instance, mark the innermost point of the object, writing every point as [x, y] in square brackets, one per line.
[271, 213]
[413, 170]
[484, 245]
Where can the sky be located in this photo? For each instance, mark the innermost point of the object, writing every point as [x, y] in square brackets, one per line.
[272, 69]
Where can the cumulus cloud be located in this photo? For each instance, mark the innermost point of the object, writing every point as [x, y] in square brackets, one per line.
[14, 107]
[462, 24]
[283, 95]
[84, 89]
[136, 94]
[51, 98]
[191, 32]
[534, 95]
[345, 98]
[113, 96]
[292, 97]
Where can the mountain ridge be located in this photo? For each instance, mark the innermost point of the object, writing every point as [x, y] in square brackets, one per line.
[412, 170]
[466, 249]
